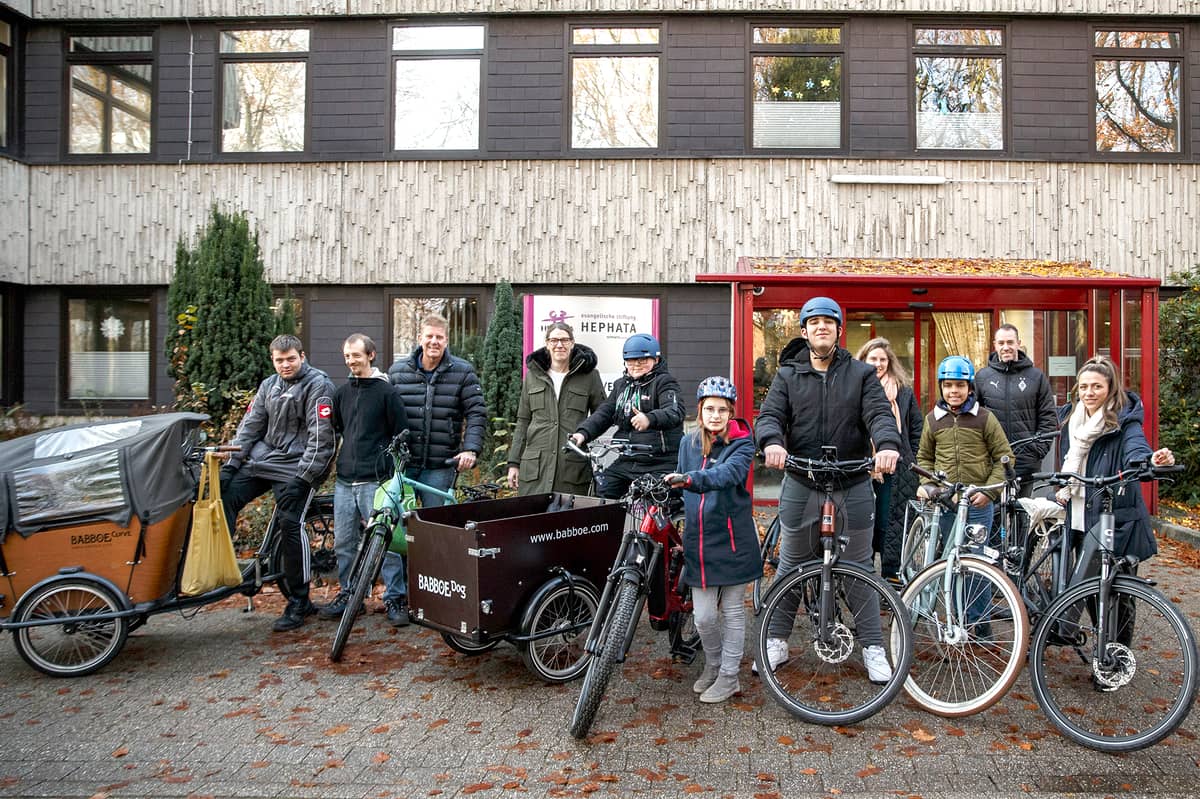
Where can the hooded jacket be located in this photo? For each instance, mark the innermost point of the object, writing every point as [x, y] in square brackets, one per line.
[544, 422]
[655, 394]
[368, 413]
[1023, 401]
[844, 407]
[720, 542]
[966, 445]
[1113, 450]
[445, 408]
[287, 432]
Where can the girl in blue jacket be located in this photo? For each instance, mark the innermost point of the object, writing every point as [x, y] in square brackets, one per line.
[719, 541]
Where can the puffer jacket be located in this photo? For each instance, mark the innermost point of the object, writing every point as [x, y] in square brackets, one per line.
[445, 408]
[720, 543]
[287, 432]
[1023, 401]
[655, 394]
[1113, 450]
[844, 407]
[967, 445]
[368, 413]
[543, 423]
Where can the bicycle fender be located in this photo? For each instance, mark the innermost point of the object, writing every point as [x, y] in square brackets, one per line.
[572, 581]
[76, 573]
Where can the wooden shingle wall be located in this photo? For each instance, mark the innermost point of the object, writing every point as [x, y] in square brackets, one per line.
[200, 9]
[595, 221]
[14, 219]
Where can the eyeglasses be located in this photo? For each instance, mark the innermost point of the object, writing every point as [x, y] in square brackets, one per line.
[710, 411]
[559, 342]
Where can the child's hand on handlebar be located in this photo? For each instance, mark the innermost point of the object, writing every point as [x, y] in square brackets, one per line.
[676, 480]
[1162, 457]
[577, 438]
[640, 422]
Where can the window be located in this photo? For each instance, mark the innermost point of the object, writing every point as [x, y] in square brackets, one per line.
[108, 348]
[111, 95]
[437, 73]
[263, 88]
[1137, 91]
[797, 87]
[6, 59]
[615, 87]
[466, 333]
[959, 76]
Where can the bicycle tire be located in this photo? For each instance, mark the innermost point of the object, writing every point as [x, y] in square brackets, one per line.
[1037, 579]
[815, 684]
[966, 669]
[76, 647]
[914, 556]
[769, 555]
[561, 657]
[1155, 678]
[362, 578]
[604, 663]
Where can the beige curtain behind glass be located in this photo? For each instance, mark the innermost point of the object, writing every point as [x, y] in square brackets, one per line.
[962, 334]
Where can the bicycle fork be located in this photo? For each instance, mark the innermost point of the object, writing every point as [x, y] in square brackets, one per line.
[834, 640]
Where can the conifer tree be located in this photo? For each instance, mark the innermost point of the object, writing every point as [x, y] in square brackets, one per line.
[1178, 390]
[500, 372]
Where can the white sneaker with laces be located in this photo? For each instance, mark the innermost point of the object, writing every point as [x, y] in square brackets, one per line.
[879, 670]
[777, 654]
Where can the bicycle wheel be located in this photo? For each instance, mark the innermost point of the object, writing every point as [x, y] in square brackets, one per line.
[967, 652]
[362, 579]
[914, 554]
[566, 610]
[77, 646]
[467, 646]
[823, 679]
[769, 550]
[604, 663]
[1148, 684]
[318, 524]
[1037, 568]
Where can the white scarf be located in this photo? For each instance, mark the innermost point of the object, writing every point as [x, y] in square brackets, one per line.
[1083, 431]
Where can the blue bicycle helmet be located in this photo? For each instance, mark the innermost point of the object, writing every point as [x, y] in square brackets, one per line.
[956, 367]
[641, 345]
[716, 387]
[821, 306]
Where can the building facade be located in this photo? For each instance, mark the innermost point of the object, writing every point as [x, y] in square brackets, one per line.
[396, 156]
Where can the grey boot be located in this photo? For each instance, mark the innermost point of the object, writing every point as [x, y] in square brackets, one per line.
[707, 677]
[726, 686]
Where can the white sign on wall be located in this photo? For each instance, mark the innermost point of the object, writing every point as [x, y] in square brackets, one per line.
[602, 323]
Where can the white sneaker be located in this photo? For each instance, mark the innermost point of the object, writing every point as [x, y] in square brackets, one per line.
[879, 671]
[777, 654]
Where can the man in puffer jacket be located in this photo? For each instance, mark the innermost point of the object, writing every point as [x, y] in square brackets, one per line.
[644, 405]
[287, 443]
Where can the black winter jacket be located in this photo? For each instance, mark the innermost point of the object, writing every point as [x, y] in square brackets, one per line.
[844, 407]
[1023, 401]
[445, 408]
[655, 394]
[914, 423]
[367, 413]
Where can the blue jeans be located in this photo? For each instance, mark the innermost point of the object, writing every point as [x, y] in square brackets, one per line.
[977, 607]
[352, 504]
[393, 571]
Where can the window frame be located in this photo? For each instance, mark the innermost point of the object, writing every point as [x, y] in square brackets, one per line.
[223, 59]
[572, 50]
[483, 308]
[1000, 51]
[11, 54]
[395, 56]
[70, 60]
[69, 403]
[1176, 54]
[797, 50]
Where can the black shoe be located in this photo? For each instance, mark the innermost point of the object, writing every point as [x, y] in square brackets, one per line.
[336, 608]
[397, 611]
[294, 615]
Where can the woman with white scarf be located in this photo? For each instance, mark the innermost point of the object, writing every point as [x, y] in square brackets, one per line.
[1104, 435]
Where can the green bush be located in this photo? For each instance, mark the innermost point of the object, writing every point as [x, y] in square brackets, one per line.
[1179, 391]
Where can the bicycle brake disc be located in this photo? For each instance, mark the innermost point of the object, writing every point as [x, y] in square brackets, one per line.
[1120, 669]
[838, 647]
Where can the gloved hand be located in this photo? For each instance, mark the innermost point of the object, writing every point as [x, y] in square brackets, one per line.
[295, 491]
[676, 480]
[227, 473]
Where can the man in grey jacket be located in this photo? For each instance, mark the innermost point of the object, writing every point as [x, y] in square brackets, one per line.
[287, 443]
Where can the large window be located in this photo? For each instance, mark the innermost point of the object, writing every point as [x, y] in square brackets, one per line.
[797, 87]
[108, 348]
[6, 60]
[437, 86]
[615, 87]
[466, 332]
[112, 92]
[1137, 90]
[264, 76]
[959, 76]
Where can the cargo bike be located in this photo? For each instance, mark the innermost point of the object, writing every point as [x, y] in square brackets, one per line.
[94, 525]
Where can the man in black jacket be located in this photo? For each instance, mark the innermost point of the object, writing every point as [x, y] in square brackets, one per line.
[1011, 387]
[447, 416]
[368, 414]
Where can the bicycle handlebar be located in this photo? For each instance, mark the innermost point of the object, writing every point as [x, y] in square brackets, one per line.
[828, 467]
[1033, 439]
[1139, 471]
[597, 449]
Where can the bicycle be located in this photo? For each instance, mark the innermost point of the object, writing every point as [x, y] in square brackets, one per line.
[823, 604]
[769, 555]
[1103, 681]
[648, 568]
[970, 627]
[393, 499]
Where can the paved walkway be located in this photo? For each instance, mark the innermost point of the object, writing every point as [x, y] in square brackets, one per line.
[219, 706]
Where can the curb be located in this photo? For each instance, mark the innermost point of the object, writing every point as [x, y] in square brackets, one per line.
[1175, 532]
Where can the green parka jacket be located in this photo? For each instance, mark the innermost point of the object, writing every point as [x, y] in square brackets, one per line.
[543, 423]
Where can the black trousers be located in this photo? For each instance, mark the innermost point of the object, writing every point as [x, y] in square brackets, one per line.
[288, 521]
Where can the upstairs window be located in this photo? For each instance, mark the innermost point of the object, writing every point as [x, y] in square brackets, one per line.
[263, 90]
[615, 87]
[6, 60]
[1137, 90]
[437, 71]
[959, 76]
[112, 90]
[796, 75]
